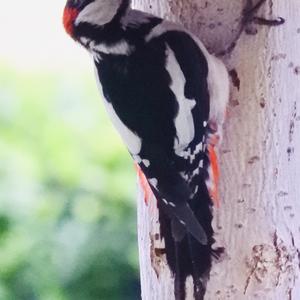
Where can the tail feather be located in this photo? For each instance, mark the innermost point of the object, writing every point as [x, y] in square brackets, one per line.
[178, 230]
[199, 288]
[187, 254]
[186, 225]
[179, 281]
[186, 217]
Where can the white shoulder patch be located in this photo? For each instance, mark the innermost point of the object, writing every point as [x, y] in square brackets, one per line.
[218, 82]
[184, 122]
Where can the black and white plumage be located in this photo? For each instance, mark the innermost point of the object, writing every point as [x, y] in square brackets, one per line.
[163, 91]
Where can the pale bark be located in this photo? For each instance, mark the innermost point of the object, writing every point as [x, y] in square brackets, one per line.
[258, 222]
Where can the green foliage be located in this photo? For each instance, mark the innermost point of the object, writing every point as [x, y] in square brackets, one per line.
[67, 221]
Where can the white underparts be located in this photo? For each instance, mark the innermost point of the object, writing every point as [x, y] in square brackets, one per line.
[131, 140]
[184, 122]
[218, 86]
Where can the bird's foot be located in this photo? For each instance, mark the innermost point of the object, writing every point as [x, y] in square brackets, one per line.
[250, 17]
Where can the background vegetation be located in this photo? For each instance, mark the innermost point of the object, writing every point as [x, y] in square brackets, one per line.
[67, 192]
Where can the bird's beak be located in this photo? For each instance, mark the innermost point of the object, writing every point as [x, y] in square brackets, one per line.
[69, 16]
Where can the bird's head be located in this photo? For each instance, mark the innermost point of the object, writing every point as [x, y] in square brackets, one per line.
[95, 13]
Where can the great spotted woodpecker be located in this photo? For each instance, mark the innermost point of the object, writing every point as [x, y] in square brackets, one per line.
[167, 97]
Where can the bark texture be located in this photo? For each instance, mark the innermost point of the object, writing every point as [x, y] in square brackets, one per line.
[258, 222]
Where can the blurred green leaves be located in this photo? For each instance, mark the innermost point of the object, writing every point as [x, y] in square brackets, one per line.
[67, 193]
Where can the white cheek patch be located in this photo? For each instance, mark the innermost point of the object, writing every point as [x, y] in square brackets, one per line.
[184, 122]
[99, 12]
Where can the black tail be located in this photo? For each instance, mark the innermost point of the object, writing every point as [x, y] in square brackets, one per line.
[187, 257]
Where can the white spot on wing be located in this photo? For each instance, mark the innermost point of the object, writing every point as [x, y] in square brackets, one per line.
[184, 176]
[196, 189]
[165, 201]
[199, 148]
[172, 204]
[196, 172]
[153, 182]
[146, 162]
[201, 164]
[192, 157]
[187, 154]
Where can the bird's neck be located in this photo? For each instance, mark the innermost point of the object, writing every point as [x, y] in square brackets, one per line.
[123, 34]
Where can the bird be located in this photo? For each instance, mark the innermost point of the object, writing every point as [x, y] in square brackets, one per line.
[167, 97]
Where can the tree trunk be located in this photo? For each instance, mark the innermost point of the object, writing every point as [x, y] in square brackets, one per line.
[258, 222]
